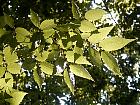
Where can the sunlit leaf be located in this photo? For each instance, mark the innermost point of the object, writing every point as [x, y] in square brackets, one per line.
[82, 60]
[95, 57]
[85, 35]
[9, 57]
[1, 59]
[111, 62]
[68, 81]
[17, 97]
[78, 50]
[87, 26]
[70, 56]
[37, 78]
[2, 83]
[48, 33]
[46, 67]
[75, 11]
[114, 43]
[41, 56]
[80, 71]
[94, 14]
[34, 18]
[14, 68]
[2, 71]
[47, 24]
[96, 38]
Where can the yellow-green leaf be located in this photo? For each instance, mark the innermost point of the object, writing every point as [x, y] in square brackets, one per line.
[94, 14]
[95, 57]
[41, 56]
[17, 97]
[114, 43]
[85, 35]
[75, 10]
[1, 59]
[46, 67]
[103, 32]
[82, 60]
[78, 50]
[68, 81]
[70, 56]
[111, 62]
[2, 71]
[80, 71]
[34, 18]
[14, 68]
[48, 33]
[87, 26]
[37, 78]
[47, 24]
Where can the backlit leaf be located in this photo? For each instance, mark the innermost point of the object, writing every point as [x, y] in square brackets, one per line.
[114, 43]
[70, 56]
[46, 67]
[78, 50]
[1, 59]
[14, 68]
[48, 33]
[82, 60]
[47, 24]
[94, 14]
[111, 62]
[103, 32]
[95, 57]
[41, 56]
[80, 71]
[2, 71]
[37, 78]
[75, 11]
[34, 18]
[17, 97]
[68, 81]
[87, 26]
[85, 35]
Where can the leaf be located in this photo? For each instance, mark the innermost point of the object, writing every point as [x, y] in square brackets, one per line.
[22, 34]
[9, 57]
[34, 18]
[80, 71]
[70, 56]
[114, 43]
[14, 68]
[85, 35]
[87, 26]
[1, 59]
[9, 20]
[48, 33]
[47, 24]
[17, 97]
[68, 81]
[78, 50]
[37, 78]
[82, 60]
[95, 57]
[103, 32]
[111, 63]
[2, 32]
[75, 11]
[46, 67]
[2, 22]
[94, 14]
[2, 71]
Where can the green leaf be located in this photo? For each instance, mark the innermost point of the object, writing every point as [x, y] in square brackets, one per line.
[2, 71]
[47, 24]
[87, 26]
[70, 56]
[2, 32]
[80, 71]
[17, 97]
[103, 32]
[2, 83]
[46, 67]
[48, 33]
[14, 68]
[1, 59]
[82, 60]
[95, 57]
[41, 56]
[9, 57]
[78, 50]
[85, 35]
[94, 14]
[114, 43]
[2, 22]
[22, 34]
[9, 20]
[68, 81]
[37, 78]
[111, 63]
[75, 11]
[34, 18]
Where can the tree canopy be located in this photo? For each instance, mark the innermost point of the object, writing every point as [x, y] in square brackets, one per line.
[67, 51]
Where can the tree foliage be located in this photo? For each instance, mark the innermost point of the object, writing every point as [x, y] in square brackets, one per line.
[55, 50]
